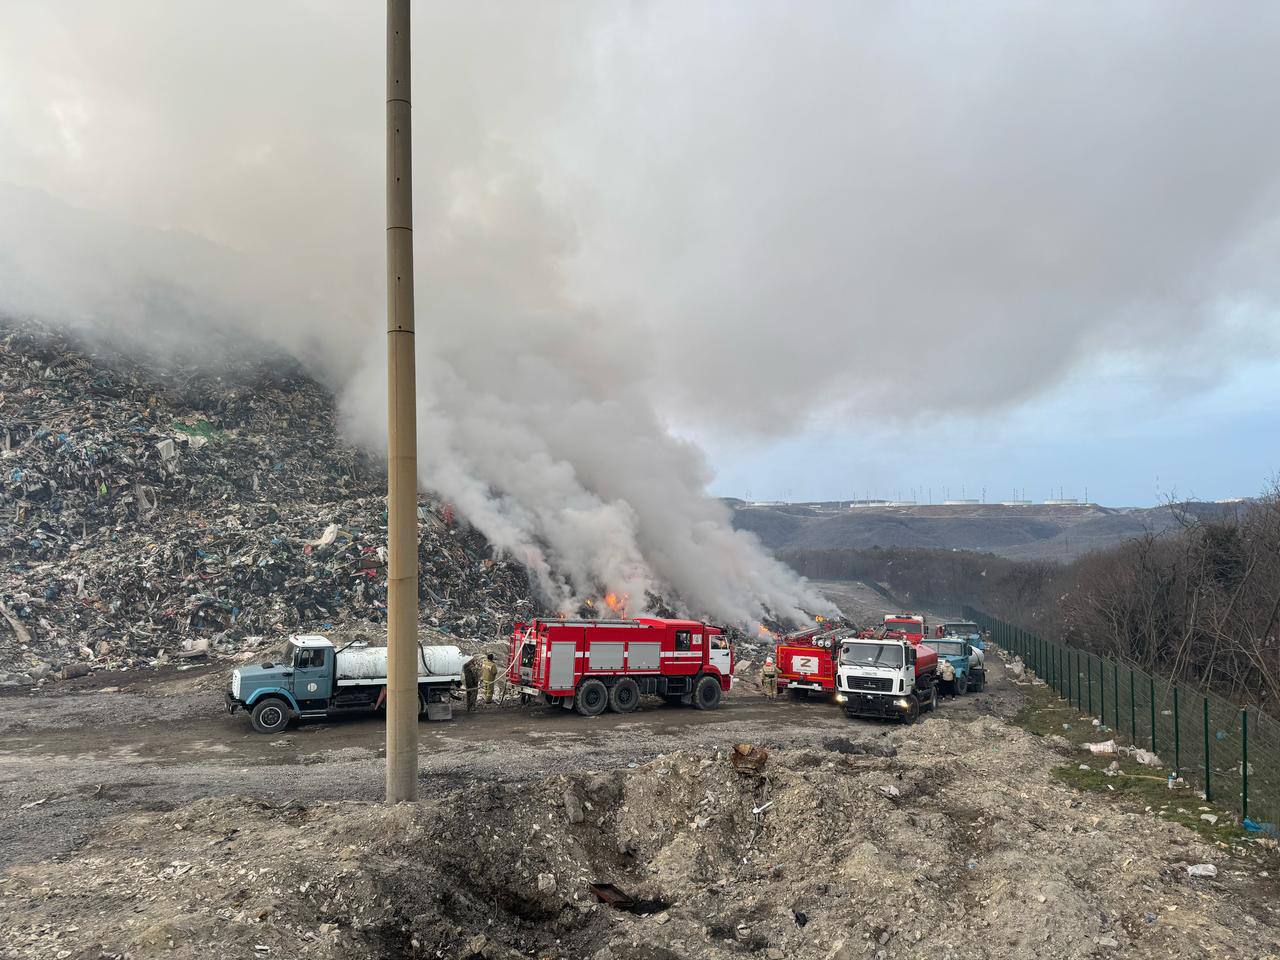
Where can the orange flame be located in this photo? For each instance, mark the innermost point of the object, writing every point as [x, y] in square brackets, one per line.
[765, 631]
[615, 603]
[820, 618]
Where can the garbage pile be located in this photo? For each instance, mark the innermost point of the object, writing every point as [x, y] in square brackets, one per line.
[150, 511]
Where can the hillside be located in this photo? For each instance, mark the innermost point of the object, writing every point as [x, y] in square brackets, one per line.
[1059, 532]
[146, 505]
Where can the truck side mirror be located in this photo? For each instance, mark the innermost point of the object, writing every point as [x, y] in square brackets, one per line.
[911, 655]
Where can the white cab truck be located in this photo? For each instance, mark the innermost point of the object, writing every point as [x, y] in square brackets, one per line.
[311, 678]
[886, 677]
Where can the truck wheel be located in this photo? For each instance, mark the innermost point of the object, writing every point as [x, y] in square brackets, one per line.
[270, 715]
[706, 695]
[962, 685]
[625, 696]
[913, 711]
[980, 682]
[422, 704]
[932, 703]
[592, 698]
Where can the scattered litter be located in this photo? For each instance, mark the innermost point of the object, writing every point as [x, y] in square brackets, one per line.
[748, 759]
[1107, 746]
[1210, 818]
[1203, 870]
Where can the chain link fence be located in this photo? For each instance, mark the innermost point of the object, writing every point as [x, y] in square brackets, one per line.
[1230, 753]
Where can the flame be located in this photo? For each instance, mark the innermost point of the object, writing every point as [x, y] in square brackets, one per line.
[615, 603]
[765, 631]
[820, 618]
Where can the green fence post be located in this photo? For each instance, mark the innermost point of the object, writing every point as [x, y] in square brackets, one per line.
[1177, 735]
[1115, 695]
[1071, 660]
[1133, 711]
[1088, 666]
[1151, 681]
[1207, 794]
[1102, 690]
[1244, 764]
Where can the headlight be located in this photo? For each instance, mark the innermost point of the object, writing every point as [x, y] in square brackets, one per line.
[902, 703]
[841, 698]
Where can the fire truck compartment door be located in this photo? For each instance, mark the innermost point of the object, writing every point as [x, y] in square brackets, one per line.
[561, 673]
[720, 660]
[644, 656]
[606, 656]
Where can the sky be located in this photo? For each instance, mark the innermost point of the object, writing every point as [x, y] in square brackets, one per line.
[666, 250]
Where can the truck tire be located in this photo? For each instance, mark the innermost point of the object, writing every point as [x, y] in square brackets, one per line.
[931, 704]
[422, 704]
[625, 696]
[592, 698]
[979, 681]
[706, 695]
[270, 715]
[913, 712]
[962, 684]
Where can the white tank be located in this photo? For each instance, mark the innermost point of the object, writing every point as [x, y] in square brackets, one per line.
[370, 663]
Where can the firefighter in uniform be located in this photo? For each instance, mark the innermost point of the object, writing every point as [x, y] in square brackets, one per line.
[769, 678]
[488, 677]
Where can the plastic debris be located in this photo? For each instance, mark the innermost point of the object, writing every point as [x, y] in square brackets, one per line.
[1202, 870]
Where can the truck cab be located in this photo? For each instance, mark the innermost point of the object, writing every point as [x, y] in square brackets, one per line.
[912, 626]
[965, 659]
[300, 675]
[886, 677]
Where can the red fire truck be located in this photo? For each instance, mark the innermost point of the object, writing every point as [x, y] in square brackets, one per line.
[588, 665]
[910, 625]
[806, 662]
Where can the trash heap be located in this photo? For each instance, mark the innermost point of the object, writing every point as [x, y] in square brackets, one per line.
[153, 510]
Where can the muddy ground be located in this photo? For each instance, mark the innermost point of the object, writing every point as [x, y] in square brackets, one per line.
[141, 821]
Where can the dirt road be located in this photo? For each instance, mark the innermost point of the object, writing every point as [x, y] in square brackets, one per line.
[73, 756]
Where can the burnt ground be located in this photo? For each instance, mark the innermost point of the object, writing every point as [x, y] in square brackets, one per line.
[137, 819]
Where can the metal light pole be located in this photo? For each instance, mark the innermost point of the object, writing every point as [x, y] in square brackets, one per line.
[402, 427]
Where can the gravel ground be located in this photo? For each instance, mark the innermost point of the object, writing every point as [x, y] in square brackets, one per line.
[946, 839]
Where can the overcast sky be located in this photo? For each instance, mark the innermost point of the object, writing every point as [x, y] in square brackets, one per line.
[846, 248]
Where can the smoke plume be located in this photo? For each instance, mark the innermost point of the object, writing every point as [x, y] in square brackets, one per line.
[634, 220]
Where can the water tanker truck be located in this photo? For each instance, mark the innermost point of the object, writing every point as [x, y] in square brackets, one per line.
[966, 663]
[310, 678]
[888, 677]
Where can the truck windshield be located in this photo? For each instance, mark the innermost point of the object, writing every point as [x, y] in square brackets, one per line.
[960, 629]
[904, 626]
[949, 648]
[872, 654]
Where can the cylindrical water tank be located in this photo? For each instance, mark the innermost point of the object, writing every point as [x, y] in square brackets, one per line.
[370, 663]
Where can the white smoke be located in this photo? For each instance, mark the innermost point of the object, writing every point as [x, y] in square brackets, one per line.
[534, 419]
[633, 217]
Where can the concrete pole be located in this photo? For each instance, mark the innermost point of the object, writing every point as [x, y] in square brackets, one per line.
[402, 425]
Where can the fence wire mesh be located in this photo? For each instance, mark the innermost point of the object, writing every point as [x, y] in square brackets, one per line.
[1230, 754]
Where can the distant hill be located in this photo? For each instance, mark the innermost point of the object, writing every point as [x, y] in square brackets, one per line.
[1021, 532]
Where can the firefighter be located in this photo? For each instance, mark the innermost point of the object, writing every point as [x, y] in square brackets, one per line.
[769, 678]
[488, 677]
